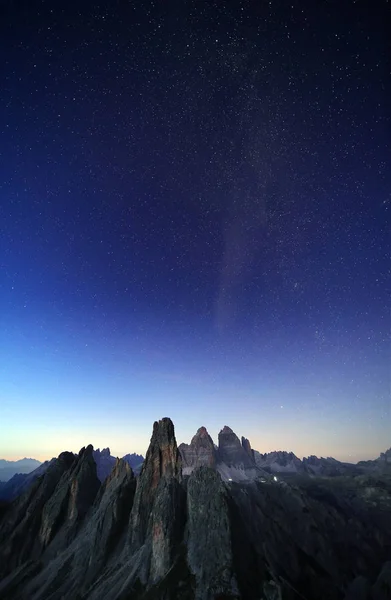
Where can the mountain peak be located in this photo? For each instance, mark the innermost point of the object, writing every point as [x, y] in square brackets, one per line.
[231, 452]
[247, 447]
[161, 473]
[209, 536]
[227, 429]
[163, 453]
[202, 431]
[103, 452]
[200, 451]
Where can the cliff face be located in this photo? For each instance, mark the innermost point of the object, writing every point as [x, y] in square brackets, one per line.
[162, 466]
[199, 537]
[70, 502]
[209, 549]
[200, 452]
[104, 463]
[247, 447]
[19, 483]
[156, 518]
[232, 452]
[279, 462]
[74, 570]
[21, 526]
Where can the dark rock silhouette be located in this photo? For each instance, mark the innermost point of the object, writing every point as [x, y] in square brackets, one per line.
[135, 461]
[231, 452]
[279, 461]
[10, 468]
[209, 551]
[247, 447]
[104, 465]
[167, 536]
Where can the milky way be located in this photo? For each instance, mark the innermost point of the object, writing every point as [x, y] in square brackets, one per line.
[195, 208]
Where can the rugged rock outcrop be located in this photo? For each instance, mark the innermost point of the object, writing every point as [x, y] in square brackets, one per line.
[135, 461]
[209, 550]
[160, 474]
[234, 460]
[168, 537]
[279, 462]
[385, 456]
[70, 502]
[382, 464]
[288, 463]
[20, 482]
[247, 447]
[102, 535]
[231, 452]
[21, 524]
[104, 463]
[200, 452]
[328, 467]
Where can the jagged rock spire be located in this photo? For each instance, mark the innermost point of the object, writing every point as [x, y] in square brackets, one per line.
[201, 451]
[162, 465]
[231, 451]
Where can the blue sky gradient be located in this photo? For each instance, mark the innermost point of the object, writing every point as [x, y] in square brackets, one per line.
[194, 211]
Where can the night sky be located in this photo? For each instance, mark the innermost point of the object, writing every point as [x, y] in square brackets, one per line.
[195, 202]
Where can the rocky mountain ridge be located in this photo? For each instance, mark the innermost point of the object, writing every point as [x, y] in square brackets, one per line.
[236, 460]
[8, 468]
[233, 459]
[288, 463]
[105, 463]
[202, 536]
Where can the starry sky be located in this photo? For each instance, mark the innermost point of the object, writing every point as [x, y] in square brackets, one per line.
[194, 210]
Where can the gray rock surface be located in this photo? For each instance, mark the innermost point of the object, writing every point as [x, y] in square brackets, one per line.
[74, 495]
[200, 452]
[20, 482]
[209, 551]
[168, 537]
[382, 464]
[247, 447]
[104, 463]
[328, 467]
[21, 524]
[288, 462]
[279, 462]
[135, 461]
[162, 463]
[385, 456]
[231, 452]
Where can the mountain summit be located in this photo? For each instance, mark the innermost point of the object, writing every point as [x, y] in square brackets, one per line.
[204, 535]
[200, 452]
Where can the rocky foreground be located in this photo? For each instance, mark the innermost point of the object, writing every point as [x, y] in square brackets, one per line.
[200, 522]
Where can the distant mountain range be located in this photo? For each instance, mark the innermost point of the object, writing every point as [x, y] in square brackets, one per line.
[200, 522]
[8, 468]
[234, 460]
[289, 463]
[21, 480]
